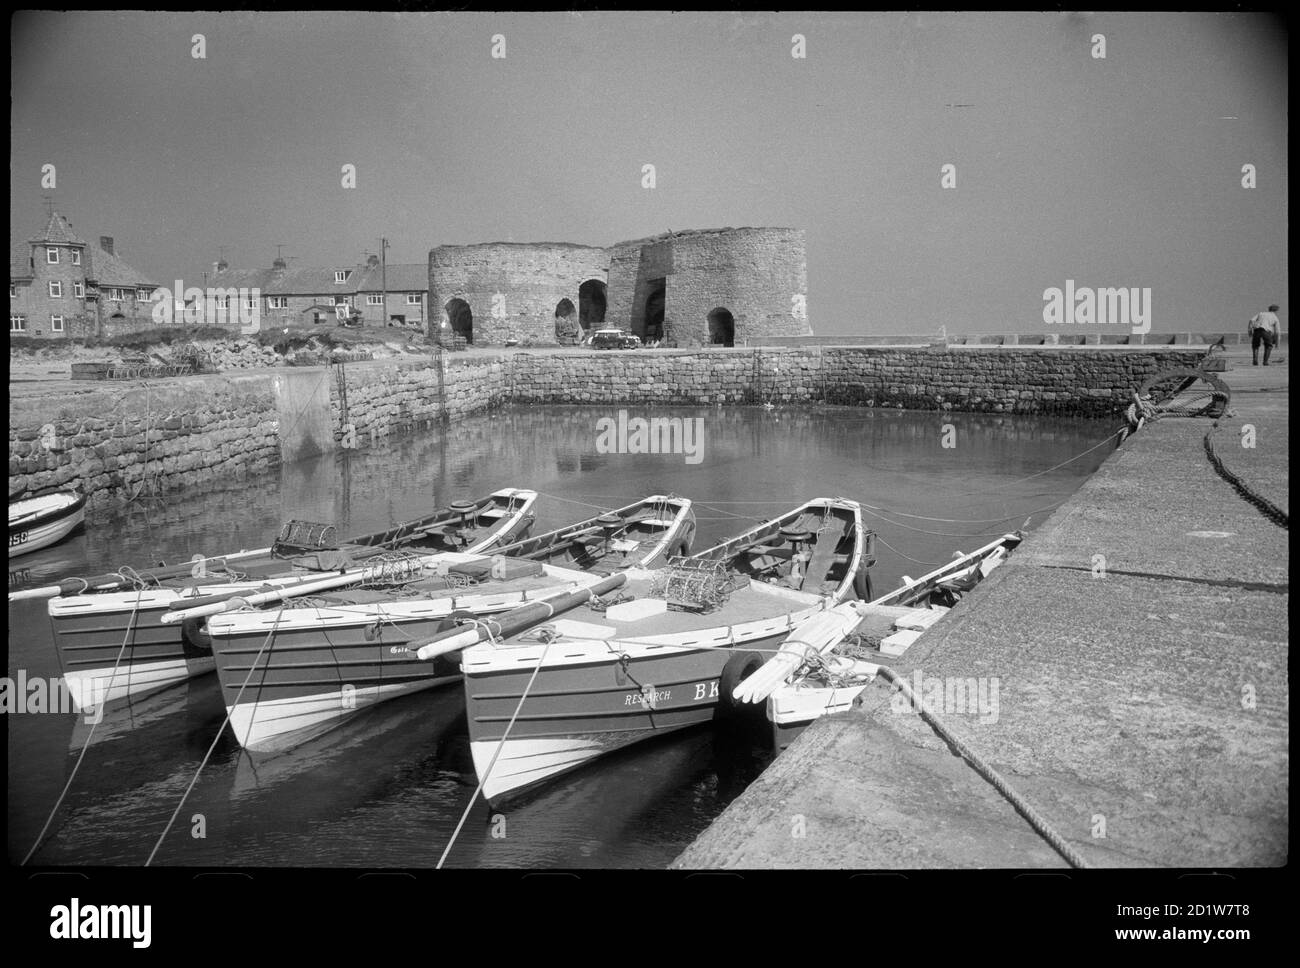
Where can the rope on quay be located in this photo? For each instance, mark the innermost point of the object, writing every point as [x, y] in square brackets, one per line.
[1041, 826]
[206, 756]
[93, 726]
[497, 752]
[1251, 496]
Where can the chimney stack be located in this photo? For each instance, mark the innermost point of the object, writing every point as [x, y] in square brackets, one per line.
[221, 265]
[372, 261]
[106, 243]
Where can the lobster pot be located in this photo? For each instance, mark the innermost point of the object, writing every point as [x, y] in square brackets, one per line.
[299, 536]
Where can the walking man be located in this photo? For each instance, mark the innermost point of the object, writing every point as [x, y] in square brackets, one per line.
[1263, 328]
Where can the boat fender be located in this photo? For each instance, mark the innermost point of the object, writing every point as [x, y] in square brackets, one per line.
[862, 584]
[739, 667]
[456, 619]
[684, 545]
[194, 632]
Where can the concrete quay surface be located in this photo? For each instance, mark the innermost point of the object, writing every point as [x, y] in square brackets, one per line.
[1144, 714]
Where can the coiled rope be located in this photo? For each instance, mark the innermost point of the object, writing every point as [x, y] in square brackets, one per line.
[1043, 828]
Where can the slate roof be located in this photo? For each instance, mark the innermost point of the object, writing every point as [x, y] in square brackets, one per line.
[109, 270]
[312, 280]
[99, 266]
[319, 281]
[58, 230]
[401, 278]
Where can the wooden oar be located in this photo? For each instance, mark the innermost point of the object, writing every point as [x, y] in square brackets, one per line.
[819, 632]
[112, 581]
[513, 621]
[307, 586]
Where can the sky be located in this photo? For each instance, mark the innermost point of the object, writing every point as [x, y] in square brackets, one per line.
[1117, 171]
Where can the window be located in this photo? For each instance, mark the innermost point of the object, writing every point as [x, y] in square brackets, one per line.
[412, 299]
[52, 255]
[13, 291]
[115, 295]
[341, 276]
[56, 289]
[143, 294]
[56, 324]
[79, 290]
[374, 299]
[17, 323]
[76, 257]
[250, 303]
[339, 300]
[278, 302]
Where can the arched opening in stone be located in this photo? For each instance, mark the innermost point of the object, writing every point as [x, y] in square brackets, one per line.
[591, 304]
[566, 320]
[722, 327]
[461, 319]
[654, 312]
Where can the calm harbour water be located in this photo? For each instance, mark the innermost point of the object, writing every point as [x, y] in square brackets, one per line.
[387, 789]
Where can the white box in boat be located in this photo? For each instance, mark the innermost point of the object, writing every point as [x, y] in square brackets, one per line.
[569, 629]
[636, 611]
[920, 619]
[899, 642]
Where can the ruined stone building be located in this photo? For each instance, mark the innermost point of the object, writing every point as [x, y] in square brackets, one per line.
[698, 287]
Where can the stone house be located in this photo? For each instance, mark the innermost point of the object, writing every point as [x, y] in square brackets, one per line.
[315, 294]
[62, 286]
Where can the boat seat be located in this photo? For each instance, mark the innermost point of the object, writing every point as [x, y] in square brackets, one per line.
[823, 557]
[655, 523]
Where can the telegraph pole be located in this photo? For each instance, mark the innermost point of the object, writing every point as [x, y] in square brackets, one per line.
[383, 279]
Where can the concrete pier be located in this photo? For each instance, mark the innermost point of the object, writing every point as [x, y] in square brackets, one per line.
[1138, 640]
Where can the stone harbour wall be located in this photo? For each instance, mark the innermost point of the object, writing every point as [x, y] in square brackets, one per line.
[116, 441]
[1081, 382]
[145, 440]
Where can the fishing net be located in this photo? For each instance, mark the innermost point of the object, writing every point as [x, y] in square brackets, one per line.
[695, 586]
[395, 568]
[297, 537]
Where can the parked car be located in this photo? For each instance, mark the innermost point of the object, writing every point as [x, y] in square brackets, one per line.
[614, 339]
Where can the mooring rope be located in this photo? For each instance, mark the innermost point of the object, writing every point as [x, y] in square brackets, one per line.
[1251, 496]
[1040, 825]
[217, 737]
[93, 726]
[496, 753]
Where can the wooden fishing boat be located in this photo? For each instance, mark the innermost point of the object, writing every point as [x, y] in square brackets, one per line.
[827, 662]
[642, 535]
[114, 642]
[657, 657]
[289, 676]
[44, 519]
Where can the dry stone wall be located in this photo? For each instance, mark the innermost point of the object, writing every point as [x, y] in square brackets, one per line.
[116, 442]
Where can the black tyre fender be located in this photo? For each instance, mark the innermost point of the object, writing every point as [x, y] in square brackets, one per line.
[457, 618]
[739, 667]
[862, 584]
[194, 633]
[683, 547]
